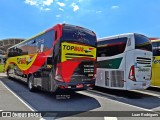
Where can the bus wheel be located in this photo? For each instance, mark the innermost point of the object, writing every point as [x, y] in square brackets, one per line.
[8, 74]
[30, 83]
[52, 83]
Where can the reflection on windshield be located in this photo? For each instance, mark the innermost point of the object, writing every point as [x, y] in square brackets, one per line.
[78, 34]
[142, 42]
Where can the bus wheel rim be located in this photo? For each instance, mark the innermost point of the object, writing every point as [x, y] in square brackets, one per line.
[30, 84]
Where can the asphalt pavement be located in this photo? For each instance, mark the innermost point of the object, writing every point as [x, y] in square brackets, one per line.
[91, 104]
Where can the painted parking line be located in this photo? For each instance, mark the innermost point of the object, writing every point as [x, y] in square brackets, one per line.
[156, 109]
[24, 102]
[146, 92]
[28, 105]
[110, 118]
[100, 94]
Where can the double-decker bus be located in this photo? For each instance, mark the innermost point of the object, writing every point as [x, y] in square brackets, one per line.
[124, 62]
[62, 57]
[155, 82]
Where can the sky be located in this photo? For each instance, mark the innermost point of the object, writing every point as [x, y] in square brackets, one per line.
[26, 18]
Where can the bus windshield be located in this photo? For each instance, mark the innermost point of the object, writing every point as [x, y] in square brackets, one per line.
[111, 47]
[142, 42]
[78, 34]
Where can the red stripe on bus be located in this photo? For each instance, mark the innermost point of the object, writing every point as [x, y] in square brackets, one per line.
[39, 61]
[68, 67]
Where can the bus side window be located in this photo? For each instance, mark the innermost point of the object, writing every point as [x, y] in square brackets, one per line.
[158, 48]
[32, 47]
[155, 48]
[48, 40]
[55, 36]
[100, 51]
[112, 47]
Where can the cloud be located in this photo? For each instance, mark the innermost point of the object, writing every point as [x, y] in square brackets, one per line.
[61, 4]
[115, 7]
[31, 2]
[48, 2]
[47, 9]
[41, 4]
[98, 12]
[58, 16]
[61, 9]
[45, 4]
[75, 7]
[80, 0]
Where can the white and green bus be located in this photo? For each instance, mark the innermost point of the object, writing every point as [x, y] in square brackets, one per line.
[124, 62]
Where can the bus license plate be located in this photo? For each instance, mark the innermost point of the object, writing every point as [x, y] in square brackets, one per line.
[79, 86]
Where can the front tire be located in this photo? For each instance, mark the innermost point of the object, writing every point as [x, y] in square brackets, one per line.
[31, 83]
[53, 86]
[8, 74]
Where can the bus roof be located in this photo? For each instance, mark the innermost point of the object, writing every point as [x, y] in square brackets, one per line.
[35, 36]
[155, 40]
[61, 24]
[116, 36]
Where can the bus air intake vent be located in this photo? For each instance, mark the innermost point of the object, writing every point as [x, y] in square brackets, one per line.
[117, 78]
[107, 78]
[142, 60]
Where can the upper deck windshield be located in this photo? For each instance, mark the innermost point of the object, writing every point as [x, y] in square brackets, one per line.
[78, 34]
[111, 47]
[142, 42]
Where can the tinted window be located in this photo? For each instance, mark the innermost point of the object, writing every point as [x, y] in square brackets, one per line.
[142, 42]
[48, 40]
[156, 48]
[18, 50]
[38, 44]
[22, 49]
[12, 52]
[78, 34]
[32, 46]
[111, 47]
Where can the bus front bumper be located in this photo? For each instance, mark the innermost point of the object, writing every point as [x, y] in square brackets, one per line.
[76, 86]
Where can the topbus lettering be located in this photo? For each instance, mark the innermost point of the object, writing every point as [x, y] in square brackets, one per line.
[156, 61]
[75, 48]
